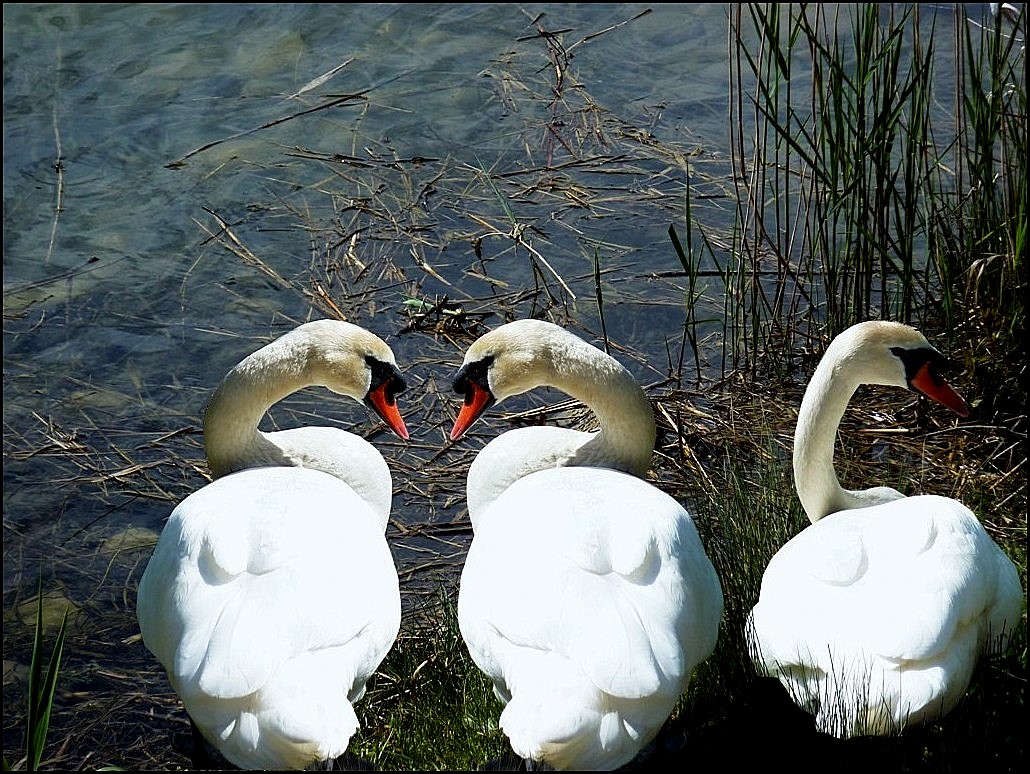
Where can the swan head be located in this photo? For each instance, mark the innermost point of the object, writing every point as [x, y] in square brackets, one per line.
[342, 357]
[894, 354]
[509, 360]
[350, 360]
[874, 352]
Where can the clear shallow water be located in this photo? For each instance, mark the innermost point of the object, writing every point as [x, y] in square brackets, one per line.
[121, 311]
[124, 303]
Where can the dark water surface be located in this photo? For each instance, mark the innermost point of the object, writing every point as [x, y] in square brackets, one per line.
[125, 302]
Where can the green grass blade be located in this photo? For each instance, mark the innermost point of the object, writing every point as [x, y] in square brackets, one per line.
[42, 686]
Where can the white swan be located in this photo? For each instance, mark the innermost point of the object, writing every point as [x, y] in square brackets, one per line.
[586, 595]
[271, 596]
[874, 616]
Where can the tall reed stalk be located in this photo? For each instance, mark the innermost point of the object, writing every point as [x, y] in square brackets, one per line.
[987, 220]
[859, 196]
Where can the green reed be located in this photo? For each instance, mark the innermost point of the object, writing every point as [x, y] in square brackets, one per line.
[989, 220]
[42, 684]
[856, 198]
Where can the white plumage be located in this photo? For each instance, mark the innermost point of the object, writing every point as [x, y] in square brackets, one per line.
[874, 616]
[271, 596]
[586, 596]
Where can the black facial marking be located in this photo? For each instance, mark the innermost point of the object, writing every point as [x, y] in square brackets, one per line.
[386, 373]
[473, 373]
[915, 359]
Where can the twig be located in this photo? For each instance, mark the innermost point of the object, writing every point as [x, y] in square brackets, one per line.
[234, 245]
[316, 82]
[58, 167]
[207, 146]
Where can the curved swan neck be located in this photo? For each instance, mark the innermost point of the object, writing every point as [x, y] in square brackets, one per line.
[232, 440]
[626, 435]
[847, 363]
[821, 411]
[523, 355]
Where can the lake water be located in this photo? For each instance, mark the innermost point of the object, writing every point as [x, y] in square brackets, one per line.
[125, 302]
[184, 182]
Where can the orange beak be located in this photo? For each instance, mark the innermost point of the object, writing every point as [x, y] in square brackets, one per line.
[936, 388]
[477, 400]
[382, 402]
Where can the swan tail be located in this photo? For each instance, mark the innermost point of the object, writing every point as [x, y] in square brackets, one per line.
[571, 724]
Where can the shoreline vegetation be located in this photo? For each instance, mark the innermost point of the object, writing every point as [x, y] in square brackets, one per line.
[848, 203]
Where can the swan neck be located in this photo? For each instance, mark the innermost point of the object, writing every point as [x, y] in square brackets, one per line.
[232, 440]
[822, 408]
[626, 435]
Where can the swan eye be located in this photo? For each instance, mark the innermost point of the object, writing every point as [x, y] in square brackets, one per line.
[472, 376]
[385, 374]
[915, 360]
[924, 374]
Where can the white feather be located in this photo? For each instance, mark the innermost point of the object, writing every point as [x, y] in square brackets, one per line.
[271, 596]
[586, 596]
[875, 615]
